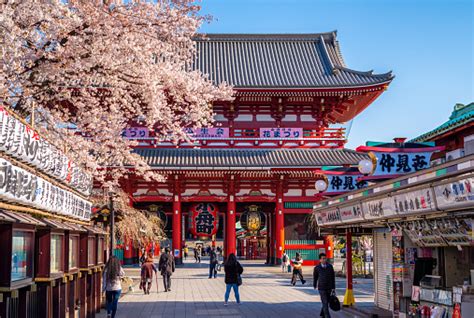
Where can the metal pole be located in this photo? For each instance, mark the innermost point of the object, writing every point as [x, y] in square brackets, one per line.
[112, 224]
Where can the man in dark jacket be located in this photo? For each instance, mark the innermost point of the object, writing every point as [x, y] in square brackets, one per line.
[167, 267]
[325, 280]
[213, 261]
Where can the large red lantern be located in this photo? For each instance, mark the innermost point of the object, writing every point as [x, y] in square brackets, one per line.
[204, 219]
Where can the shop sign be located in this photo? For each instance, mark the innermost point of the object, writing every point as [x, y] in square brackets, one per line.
[20, 186]
[204, 219]
[395, 163]
[351, 213]
[378, 208]
[343, 183]
[205, 132]
[136, 133]
[23, 143]
[291, 133]
[455, 194]
[332, 216]
[414, 201]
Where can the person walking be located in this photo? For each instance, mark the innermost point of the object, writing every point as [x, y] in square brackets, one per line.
[167, 267]
[324, 279]
[297, 270]
[285, 260]
[199, 253]
[112, 285]
[213, 261]
[148, 268]
[233, 270]
[185, 252]
[142, 257]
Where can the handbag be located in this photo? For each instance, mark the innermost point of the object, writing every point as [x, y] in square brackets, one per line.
[239, 280]
[334, 303]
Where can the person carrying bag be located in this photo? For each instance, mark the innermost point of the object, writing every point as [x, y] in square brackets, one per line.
[324, 279]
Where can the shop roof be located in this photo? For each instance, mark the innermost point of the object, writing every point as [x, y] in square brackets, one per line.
[279, 61]
[18, 217]
[247, 159]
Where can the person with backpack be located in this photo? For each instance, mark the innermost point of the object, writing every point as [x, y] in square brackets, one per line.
[213, 261]
[297, 270]
[112, 285]
[285, 261]
[148, 268]
[324, 279]
[233, 280]
[167, 267]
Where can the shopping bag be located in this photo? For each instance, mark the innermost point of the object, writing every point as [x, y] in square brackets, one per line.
[334, 303]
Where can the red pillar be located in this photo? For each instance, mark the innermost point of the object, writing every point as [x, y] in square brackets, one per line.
[230, 219]
[349, 296]
[279, 222]
[176, 235]
[127, 252]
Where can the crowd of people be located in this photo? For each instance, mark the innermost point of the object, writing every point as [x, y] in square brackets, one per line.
[324, 279]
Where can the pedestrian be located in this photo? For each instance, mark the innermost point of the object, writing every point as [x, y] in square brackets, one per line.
[143, 256]
[213, 261]
[297, 270]
[284, 262]
[111, 284]
[185, 252]
[148, 268]
[233, 270]
[167, 267]
[324, 279]
[199, 252]
[196, 254]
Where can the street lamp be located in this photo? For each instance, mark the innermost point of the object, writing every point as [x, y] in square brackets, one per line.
[366, 166]
[321, 185]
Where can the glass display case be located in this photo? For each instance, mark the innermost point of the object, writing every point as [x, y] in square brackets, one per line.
[91, 251]
[22, 255]
[57, 248]
[73, 252]
[100, 250]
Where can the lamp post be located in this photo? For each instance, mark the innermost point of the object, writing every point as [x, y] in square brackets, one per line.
[112, 223]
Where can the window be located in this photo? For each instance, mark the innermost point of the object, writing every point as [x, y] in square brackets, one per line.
[91, 251]
[73, 251]
[22, 255]
[100, 250]
[57, 241]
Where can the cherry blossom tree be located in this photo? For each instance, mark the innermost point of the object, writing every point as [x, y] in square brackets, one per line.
[84, 71]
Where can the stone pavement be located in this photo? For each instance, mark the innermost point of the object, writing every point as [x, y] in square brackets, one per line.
[266, 292]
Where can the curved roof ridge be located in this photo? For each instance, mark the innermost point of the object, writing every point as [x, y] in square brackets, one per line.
[265, 36]
[366, 73]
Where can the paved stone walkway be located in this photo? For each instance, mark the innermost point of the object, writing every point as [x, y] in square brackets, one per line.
[265, 293]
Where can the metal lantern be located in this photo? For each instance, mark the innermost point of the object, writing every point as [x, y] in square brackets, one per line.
[205, 219]
[253, 220]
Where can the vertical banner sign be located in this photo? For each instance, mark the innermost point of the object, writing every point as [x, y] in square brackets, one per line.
[395, 163]
[204, 219]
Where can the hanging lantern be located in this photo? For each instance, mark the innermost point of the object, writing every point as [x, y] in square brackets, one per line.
[204, 219]
[252, 220]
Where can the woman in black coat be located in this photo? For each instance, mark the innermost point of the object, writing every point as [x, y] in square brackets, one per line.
[233, 270]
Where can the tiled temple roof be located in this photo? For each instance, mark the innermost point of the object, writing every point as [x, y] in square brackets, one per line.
[279, 61]
[247, 159]
[461, 115]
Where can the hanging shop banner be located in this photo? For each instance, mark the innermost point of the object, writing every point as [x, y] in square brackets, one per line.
[420, 200]
[331, 216]
[378, 208]
[455, 194]
[23, 143]
[205, 219]
[205, 132]
[351, 213]
[344, 183]
[136, 133]
[20, 186]
[281, 133]
[395, 163]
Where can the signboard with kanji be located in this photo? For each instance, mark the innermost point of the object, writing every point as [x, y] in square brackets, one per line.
[283, 133]
[219, 132]
[395, 163]
[344, 183]
[136, 133]
[456, 194]
[414, 201]
[205, 219]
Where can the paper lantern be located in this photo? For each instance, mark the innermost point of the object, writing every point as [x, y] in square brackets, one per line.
[205, 219]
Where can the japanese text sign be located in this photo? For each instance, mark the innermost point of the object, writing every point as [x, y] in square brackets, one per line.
[136, 133]
[283, 133]
[420, 200]
[205, 132]
[394, 163]
[458, 193]
[343, 183]
[204, 219]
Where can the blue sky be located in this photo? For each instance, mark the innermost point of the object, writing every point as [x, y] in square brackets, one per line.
[428, 44]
